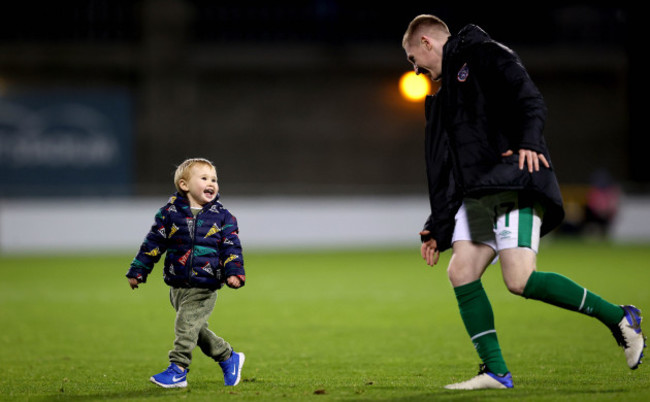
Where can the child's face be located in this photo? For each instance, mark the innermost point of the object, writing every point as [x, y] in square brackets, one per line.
[202, 186]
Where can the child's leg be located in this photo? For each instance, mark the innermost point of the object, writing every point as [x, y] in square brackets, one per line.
[193, 308]
[213, 345]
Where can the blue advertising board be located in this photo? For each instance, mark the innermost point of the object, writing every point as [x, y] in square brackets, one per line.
[66, 143]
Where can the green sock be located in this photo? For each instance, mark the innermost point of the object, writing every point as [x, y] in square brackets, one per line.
[476, 312]
[562, 292]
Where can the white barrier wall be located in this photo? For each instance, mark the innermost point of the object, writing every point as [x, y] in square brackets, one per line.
[266, 223]
[91, 225]
[633, 220]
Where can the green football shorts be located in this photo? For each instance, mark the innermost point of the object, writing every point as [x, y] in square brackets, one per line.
[502, 220]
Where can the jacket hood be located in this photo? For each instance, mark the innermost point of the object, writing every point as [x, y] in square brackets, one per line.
[468, 36]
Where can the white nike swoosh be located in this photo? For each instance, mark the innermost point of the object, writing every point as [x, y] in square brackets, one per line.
[177, 378]
[234, 370]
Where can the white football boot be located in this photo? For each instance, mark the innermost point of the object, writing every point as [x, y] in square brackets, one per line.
[628, 334]
[484, 380]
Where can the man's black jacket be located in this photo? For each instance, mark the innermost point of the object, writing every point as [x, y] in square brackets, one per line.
[487, 105]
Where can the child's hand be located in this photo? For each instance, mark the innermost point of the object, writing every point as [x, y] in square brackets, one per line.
[234, 282]
[133, 282]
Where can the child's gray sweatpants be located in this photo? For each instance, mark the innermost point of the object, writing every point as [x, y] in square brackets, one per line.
[193, 308]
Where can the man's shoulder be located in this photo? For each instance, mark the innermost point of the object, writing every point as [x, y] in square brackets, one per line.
[492, 49]
[489, 55]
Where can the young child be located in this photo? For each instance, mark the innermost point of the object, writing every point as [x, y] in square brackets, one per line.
[203, 250]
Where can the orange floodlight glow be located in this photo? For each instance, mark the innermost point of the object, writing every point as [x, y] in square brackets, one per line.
[414, 87]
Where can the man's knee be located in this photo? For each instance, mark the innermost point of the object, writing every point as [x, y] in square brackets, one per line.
[458, 275]
[516, 287]
[517, 265]
[468, 262]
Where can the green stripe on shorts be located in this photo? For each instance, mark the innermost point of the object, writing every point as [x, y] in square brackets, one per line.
[525, 225]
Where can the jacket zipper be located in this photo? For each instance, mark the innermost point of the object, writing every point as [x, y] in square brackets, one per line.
[188, 272]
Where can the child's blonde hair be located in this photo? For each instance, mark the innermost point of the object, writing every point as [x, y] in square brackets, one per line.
[183, 170]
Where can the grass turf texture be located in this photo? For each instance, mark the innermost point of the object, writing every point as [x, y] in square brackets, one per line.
[327, 325]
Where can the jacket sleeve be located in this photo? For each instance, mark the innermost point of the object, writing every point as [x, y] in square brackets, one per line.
[230, 250]
[512, 93]
[151, 250]
[441, 221]
[440, 178]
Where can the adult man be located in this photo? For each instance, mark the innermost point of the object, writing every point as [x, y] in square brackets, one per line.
[492, 189]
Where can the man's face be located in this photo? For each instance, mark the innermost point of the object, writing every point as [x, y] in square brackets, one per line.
[426, 57]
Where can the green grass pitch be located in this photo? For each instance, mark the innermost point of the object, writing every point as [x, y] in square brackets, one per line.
[323, 325]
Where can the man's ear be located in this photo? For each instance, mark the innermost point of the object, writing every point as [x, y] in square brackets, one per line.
[426, 41]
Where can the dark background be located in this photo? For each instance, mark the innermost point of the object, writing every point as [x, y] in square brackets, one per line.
[302, 97]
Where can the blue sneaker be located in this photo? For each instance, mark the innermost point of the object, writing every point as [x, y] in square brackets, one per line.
[173, 377]
[628, 335]
[232, 368]
[484, 380]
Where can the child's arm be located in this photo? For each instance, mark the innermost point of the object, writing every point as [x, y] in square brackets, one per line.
[151, 250]
[230, 254]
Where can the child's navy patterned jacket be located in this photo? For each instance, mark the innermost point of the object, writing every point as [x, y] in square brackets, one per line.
[202, 251]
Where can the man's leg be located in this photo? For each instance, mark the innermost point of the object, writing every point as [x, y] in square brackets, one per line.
[473, 251]
[467, 264]
[519, 219]
[560, 291]
[518, 261]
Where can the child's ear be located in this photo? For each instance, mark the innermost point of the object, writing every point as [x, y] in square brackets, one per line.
[183, 185]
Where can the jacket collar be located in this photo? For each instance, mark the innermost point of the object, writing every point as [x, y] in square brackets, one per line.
[181, 200]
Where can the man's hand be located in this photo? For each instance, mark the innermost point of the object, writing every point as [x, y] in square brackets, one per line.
[429, 249]
[531, 158]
